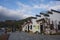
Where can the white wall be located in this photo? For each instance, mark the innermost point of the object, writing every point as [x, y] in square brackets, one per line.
[24, 28]
[36, 26]
[55, 16]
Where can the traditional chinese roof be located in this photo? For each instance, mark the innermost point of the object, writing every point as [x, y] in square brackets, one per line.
[40, 20]
[55, 11]
[49, 12]
[38, 15]
[28, 21]
[45, 14]
[31, 18]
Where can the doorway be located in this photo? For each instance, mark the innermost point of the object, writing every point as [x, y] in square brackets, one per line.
[41, 28]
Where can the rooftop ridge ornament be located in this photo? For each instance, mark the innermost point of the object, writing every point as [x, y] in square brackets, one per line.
[38, 15]
[55, 11]
[44, 14]
[49, 12]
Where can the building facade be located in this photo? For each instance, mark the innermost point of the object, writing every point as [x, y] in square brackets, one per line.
[45, 25]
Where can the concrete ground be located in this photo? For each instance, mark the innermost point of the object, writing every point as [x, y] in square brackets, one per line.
[27, 36]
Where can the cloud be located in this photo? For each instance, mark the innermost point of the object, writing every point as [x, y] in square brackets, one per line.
[41, 6]
[50, 5]
[24, 6]
[54, 5]
[9, 14]
[29, 9]
[25, 10]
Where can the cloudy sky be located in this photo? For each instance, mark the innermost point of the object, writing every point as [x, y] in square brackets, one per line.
[19, 9]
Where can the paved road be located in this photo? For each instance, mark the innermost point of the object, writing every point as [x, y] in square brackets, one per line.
[26, 36]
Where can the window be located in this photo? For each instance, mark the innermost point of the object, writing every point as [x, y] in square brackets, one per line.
[26, 27]
[31, 27]
[58, 27]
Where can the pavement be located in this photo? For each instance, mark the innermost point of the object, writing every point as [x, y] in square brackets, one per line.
[27, 36]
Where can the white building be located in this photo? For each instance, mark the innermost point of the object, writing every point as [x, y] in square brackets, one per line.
[31, 26]
[43, 24]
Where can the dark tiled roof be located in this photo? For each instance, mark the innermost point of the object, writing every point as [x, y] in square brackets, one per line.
[44, 14]
[55, 11]
[49, 12]
[31, 18]
[27, 22]
[38, 15]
